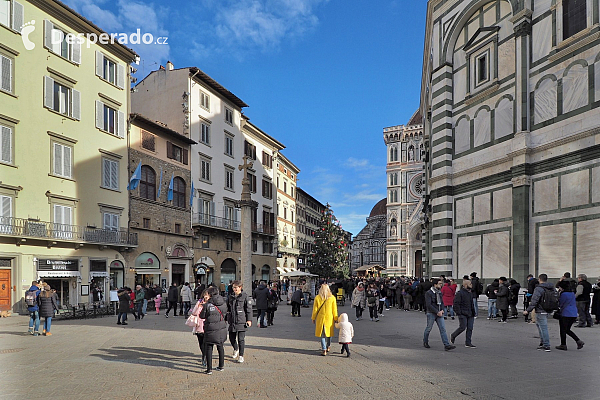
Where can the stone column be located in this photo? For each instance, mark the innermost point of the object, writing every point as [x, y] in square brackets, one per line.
[247, 204]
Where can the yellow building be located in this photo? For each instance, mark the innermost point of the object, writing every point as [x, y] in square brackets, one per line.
[288, 247]
[63, 165]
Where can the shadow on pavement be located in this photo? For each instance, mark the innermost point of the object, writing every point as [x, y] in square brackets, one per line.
[176, 360]
[285, 350]
[16, 333]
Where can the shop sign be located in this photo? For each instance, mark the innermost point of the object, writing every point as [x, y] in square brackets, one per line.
[58, 265]
[116, 265]
[147, 261]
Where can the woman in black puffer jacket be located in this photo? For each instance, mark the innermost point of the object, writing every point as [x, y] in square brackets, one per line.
[215, 327]
[239, 318]
[47, 303]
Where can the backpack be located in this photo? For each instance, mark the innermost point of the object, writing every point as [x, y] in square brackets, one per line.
[549, 300]
[479, 287]
[31, 298]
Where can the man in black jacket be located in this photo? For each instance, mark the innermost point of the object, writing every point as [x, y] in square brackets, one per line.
[532, 283]
[476, 291]
[435, 314]
[261, 297]
[465, 310]
[172, 299]
[582, 297]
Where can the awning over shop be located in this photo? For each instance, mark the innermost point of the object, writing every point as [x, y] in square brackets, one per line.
[281, 270]
[59, 274]
[147, 272]
[99, 274]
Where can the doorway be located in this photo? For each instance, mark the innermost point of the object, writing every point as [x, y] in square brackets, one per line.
[418, 264]
[5, 289]
[178, 274]
[62, 290]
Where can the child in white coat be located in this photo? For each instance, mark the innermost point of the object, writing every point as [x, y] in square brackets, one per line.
[346, 333]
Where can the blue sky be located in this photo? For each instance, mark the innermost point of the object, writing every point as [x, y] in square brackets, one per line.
[324, 77]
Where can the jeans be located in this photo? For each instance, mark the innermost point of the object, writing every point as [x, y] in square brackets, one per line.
[431, 319]
[34, 319]
[359, 311]
[145, 306]
[122, 317]
[464, 322]
[306, 298]
[186, 308]
[373, 312]
[565, 329]
[513, 310]
[47, 324]
[583, 310]
[209, 352]
[492, 310]
[261, 317]
[138, 309]
[476, 306]
[325, 341]
[449, 311]
[241, 340]
[542, 324]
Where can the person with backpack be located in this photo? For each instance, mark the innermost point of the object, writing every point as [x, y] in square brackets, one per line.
[532, 283]
[513, 298]
[215, 327]
[31, 300]
[272, 303]
[568, 315]
[372, 301]
[544, 300]
[477, 290]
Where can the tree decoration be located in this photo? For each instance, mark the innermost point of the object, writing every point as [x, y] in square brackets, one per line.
[330, 258]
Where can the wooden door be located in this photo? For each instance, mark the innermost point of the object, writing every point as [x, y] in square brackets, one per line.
[418, 264]
[5, 290]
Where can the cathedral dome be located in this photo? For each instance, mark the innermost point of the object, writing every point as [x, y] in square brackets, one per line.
[379, 209]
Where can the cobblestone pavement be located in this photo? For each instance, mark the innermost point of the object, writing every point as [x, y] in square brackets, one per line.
[159, 358]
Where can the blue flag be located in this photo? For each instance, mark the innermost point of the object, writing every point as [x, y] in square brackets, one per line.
[192, 194]
[159, 185]
[135, 178]
[170, 193]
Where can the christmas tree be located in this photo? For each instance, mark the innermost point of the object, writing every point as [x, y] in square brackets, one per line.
[331, 256]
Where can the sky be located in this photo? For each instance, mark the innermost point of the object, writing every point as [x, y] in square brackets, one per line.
[323, 77]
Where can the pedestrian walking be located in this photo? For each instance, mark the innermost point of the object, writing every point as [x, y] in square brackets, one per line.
[502, 298]
[148, 295]
[31, 300]
[198, 326]
[239, 316]
[491, 293]
[541, 314]
[596, 301]
[215, 327]
[435, 314]
[323, 316]
[186, 298]
[407, 296]
[124, 299]
[532, 283]
[568, 315]
[359, 300]
[448, 293]
[477, 291]
[261, 298]
[346, 333]
[465, 311]
[139, 302]
[157, 302]
[172, 296]
[372, 301]
[582, 296]
[48, 304]
[179, 299]
[272, 303]
[513, 298]
[296, 302]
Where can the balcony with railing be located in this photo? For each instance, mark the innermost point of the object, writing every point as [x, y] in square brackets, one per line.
[33, 229]
[265, 229]
[216, 222]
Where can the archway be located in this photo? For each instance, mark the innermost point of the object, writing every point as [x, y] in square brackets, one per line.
[265, 273]
[228, 268]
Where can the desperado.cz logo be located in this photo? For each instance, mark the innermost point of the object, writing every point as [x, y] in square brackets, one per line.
[59, 36]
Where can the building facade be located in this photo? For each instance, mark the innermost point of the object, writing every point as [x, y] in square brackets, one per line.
[285, 181]
[159, 208]
[63, 107]
[510, 90]
[309, 212]
[405, 156]
[369, 246]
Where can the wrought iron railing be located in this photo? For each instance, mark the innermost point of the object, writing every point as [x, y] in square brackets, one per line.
[25, 228]
[260, 228]
[218, 222]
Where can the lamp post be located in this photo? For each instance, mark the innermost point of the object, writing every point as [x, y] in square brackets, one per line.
[246, 204]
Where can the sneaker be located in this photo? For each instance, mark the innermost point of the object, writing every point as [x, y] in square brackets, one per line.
[561, 347]
[36, 334]
[208, 372]
[30, 331]
[167, 315]
[43, 331]
[546, 348]
[240, 359]
[371, 319]
[119, 323]
[235, 354]
[219, 369]
[470, 346]
[357, 319]
[450, 347]
[540, 347]
[452, 318]
[381, 315]
[426, 345]
[580, 344]
[488, 318]
[452, 339]
[387, 309]
[48, 334]
[376, 319]
[124, 323]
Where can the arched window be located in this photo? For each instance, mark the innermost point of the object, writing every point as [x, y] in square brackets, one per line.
[179, 192]
[391, 179]
[393, 227]
[395, 179]
[148, 183]
[395, 154]
[391, 154]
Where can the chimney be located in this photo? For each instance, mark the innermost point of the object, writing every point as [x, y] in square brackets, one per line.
[169, 66]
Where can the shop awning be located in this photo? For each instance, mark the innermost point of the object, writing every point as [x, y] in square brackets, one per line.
[281, 270]
[101, 274]
[147, 271]
[58, 274]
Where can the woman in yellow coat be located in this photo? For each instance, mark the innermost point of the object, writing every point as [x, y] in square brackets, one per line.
[323, 316]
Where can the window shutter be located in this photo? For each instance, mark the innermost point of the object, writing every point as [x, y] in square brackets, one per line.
[272, 220]
[99, 115]
[121, 76]
[58, 163]
[114, 175]
[235, 214]
[76, 56]
[212, 208]
[48, 27]
[107, 221]
[18, 16]
[207, 171]
[66, 211]
[105, 172]
[5, 74]
[185, 156]
[5, 148]
[169, 150]
[99, 64]
[76, 104]
[115, 222]
[121, 125]
[48, 92]
[67, 161]
[6, 209]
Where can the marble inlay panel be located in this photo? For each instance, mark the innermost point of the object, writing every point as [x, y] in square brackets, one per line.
[503, 119]
[460, 58]
[575, 88]
[596, 80]
[575, 188]
[462, 139]
[540, 7]
[545, 101]
[588, 237]
[489, 17]
[463, 211]
[496, 255]
[469, 255]
[596, 185]
[502, 203]
[482, 130]
[506, 59]
[555, 249]
[545, 194]
[460, 85]
[541, 34]
[481, 208]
